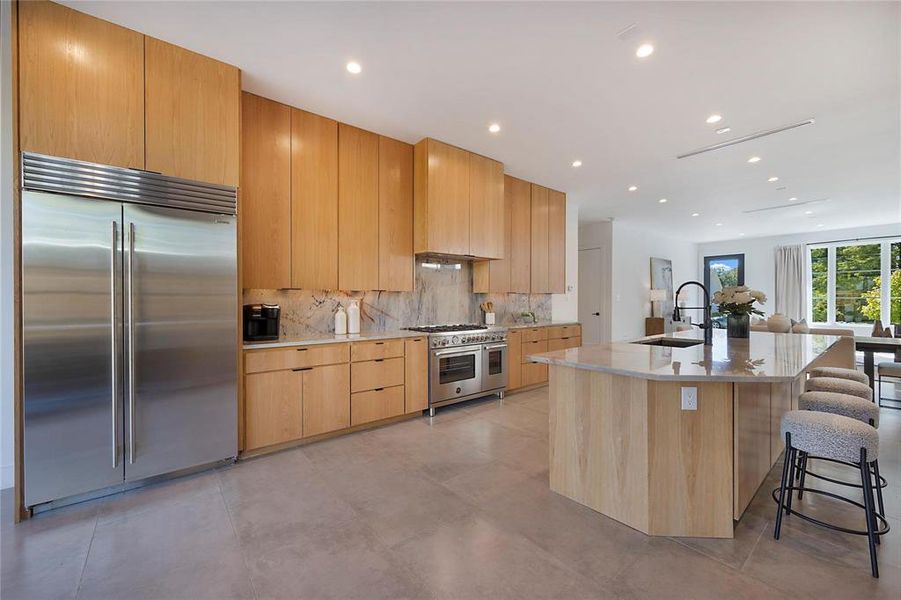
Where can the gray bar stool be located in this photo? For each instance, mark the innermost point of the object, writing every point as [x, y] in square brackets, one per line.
[839, 438]
[841, 386]
[847, 406]
[892, 370]
[840, 373]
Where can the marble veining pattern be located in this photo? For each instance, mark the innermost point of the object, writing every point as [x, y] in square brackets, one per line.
[439, 296]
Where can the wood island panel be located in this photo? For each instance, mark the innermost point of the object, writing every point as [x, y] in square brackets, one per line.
[751, 403]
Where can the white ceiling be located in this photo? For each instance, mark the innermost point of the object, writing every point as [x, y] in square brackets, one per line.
[564, 87]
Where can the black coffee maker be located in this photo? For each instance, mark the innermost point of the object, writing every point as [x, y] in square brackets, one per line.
[261, 322]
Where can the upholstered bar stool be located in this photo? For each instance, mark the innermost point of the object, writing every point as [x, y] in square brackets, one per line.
[847, 406]
[892, 370]
[840, 386]
[836, 437]
[840, 373]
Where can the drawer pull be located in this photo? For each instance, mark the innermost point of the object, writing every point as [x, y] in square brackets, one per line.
[379, 360]
[302, 349]
[379, 343]
[378, 389]
[303, 369]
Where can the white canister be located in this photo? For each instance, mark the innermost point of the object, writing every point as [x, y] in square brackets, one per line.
[340, 321]
[489, 318]
[779, 323]
[353, 317]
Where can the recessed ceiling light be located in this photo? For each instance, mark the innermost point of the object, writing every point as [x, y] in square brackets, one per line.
[754, 159]
[792, 199]
[772, 179]
[696, 214]
[494, 128]
[632, 188]
[644, 51]
[714, 118]
[741, 234]
[819, 224]
[719, 224]
[662, 201]
[577, 163]
[724, 130]
[354, 67]
[808, 212]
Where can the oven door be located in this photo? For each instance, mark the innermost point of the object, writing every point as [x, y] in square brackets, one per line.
[494, 367]
[455, 372]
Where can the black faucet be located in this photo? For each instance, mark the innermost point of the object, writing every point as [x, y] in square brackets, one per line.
[708, 322]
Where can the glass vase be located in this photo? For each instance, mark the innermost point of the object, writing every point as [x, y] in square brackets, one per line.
[738, 326]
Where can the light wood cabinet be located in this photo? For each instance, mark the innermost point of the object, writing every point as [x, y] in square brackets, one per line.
[441, 198]
[533, 374]
[375, 405]
[377, 350]
[273, 408]
[81, 86]
[416, 374]
[494, 276]
[514, 359]
[358, 209]
[374, 374]
[314, 201]
[192, 114]
[395, 217]
[563, 343]
[295, 358]
[539, 240]
[556, 245]
[326, 399]
[265, 193]
[486, 207]
[520, 234]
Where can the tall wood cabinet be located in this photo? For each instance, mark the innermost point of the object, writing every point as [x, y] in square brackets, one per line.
[314, 201]
[81, 86]
[539, 240]
[511, 273]
[395, 220]
[265, 193]
[192, 114]
[358, 209]
[458, 199]
[556, 245]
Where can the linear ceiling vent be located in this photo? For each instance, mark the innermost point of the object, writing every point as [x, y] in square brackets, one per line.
[781, 206]
[746, 138]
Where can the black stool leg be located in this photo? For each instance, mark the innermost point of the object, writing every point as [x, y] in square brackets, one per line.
[866, 482]
[792, 474]
[878, 484]
[803, 461]
[785, 473]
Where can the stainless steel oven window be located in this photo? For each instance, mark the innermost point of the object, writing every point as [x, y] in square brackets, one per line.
[456, 368]
[495, 362]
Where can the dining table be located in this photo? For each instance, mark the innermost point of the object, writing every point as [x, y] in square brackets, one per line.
[870, 345]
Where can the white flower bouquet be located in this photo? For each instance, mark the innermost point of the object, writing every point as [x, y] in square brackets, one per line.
[739, 300]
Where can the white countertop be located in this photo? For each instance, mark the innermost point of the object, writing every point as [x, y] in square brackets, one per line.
[762, 357]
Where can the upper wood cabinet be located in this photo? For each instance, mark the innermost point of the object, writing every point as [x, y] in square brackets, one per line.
[265, 193]
[395, 218]
[441, 198]
[486, 207]
[358, 209]
[314, 201]
[493, 276]
[556, 246]
[539, 241]
[192, 114]
[520, 234]
[81, 86]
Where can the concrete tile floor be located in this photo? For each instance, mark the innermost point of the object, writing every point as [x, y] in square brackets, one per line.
[458, 507]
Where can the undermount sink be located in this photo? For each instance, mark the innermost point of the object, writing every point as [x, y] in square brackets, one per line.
[671, 342]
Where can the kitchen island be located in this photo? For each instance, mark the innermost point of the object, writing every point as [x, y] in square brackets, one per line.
[672, 439]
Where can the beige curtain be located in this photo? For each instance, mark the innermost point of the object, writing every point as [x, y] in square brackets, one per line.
[791, 281]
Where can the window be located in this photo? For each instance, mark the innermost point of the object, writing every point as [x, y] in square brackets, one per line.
[855, 282]
[723, 271]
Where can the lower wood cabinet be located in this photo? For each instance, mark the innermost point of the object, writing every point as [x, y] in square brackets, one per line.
[533, 374]
[535, 340]
[416, 375]
[273, 408]
[514, 359]
[326, 399]
[563, 343]
[377, 404]
[374, 374]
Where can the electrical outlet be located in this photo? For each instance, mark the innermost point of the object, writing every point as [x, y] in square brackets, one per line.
[689, 398]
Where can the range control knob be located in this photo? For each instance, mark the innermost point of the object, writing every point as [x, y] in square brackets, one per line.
[455, 340]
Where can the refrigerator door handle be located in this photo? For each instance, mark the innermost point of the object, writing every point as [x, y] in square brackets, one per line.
[114, 339]
[131, 342]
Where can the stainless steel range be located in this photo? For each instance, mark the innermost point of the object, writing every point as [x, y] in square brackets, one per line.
[465, 361]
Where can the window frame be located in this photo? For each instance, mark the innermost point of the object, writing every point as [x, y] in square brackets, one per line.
[719, 257]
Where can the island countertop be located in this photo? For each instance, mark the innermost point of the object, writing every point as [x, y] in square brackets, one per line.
[764, 357]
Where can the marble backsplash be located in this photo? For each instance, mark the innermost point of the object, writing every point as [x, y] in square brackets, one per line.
[441, 295]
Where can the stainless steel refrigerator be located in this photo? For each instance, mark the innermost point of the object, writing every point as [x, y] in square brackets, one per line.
[129, 300]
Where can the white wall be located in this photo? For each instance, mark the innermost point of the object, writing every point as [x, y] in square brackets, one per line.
[760, 257]
[565, 307]
[7, 444]
[632, 252]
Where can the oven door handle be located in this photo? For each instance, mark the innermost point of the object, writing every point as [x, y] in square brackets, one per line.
[495, 347]
[458, 351]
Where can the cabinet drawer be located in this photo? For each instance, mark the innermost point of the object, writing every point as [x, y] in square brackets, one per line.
[256, 361]
[564, 343]
[534, 334]
[528, 348]
[376, 404]
[534, 373]
[375, 350]
[563, 331]
[376, 374]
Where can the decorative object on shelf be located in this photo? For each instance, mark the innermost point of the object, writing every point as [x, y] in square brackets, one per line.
[738, 304]
[800, 326]
[353, 317]
[657, 296]
[877, 328]
[340, 321]
[529, 315]
[779, 323]
[887, 332]
[488, 309]
[653, 326]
